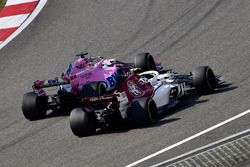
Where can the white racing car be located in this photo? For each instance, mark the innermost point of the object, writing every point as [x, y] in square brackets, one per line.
[140, 96]
[171, 86]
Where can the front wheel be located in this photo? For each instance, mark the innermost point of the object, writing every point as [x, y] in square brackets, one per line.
[34, 107]
[204, 80]
[145, 62]
[80, 123]
[143, 111]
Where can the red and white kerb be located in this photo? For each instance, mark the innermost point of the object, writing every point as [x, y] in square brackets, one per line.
[13, 15]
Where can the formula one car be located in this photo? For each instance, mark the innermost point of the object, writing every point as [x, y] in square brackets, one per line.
[139, 98]
[69, 87]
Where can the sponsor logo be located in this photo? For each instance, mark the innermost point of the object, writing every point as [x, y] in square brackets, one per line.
[52, 81]
[134, 90]
[111, 81]
[100, 98]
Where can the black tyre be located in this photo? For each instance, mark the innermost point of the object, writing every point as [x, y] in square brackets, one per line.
[204, 80]
[143, 111]
[80, 123]
[33, 106]
[145, 62]
[93, 89]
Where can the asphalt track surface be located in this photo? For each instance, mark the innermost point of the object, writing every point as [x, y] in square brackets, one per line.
[183, 34]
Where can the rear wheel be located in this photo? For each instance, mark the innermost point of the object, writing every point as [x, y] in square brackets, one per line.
[143, 111]
[145, 62]
[204, 80]
[93, 89]
[80, 123]
[34, 107]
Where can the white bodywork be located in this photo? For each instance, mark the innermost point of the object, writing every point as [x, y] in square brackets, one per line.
[161, 94]
[162, 85]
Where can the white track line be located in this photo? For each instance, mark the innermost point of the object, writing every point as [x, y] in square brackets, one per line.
[12, 21]
[32, 16]
[202, 148]
[14, 2]
[189, 138]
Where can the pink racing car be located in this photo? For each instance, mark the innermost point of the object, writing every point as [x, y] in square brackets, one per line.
[74, 83]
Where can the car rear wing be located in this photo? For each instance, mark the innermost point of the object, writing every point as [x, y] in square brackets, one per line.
[48, 83]
[99, 99]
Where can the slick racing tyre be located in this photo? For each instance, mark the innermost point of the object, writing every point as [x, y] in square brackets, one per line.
[204, 80]
[145, 62]
[80, 123]
[33, 106]
[143, 111]
[91, 89]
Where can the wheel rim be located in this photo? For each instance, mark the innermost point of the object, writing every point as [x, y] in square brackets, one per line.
[101, 89]
[151, 112]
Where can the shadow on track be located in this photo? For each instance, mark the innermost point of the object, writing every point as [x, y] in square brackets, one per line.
[193, 99]
[185, 103]
[123, 126]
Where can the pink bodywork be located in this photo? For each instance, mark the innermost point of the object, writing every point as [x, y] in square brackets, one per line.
[84, 72]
